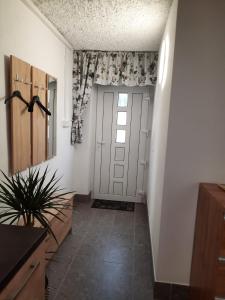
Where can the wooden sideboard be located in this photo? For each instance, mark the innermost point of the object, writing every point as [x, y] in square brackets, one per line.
[24, 253]
[22, 263]
[208, 262]
[29, 281]
[60, 228]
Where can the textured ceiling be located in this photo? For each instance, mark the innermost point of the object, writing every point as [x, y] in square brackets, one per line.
[108, 24]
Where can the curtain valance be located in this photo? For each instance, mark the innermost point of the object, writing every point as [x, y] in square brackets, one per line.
[107, 68]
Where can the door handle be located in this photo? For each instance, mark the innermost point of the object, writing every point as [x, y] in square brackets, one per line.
[144, 163]
[146, 131]
[221, 259]
[101, 142]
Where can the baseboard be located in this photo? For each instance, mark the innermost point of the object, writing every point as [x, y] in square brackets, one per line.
[82, 197]
[169, 291]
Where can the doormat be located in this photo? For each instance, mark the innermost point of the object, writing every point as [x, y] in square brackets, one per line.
[116, 205]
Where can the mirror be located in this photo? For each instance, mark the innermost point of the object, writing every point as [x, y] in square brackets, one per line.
[52, 106]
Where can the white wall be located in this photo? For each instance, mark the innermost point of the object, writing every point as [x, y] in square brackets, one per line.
[24, 35]
[195, 148]
[159, 138]
[84, 153]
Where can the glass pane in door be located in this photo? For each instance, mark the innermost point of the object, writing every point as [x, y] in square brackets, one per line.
[121, 118]
[120, 136]
[123, 100]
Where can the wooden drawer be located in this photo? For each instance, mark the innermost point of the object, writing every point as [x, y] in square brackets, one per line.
[29, 281]
[220, 270]
[222, 247]
[220, 281]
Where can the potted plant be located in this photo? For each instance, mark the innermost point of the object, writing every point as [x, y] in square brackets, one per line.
[26, 198]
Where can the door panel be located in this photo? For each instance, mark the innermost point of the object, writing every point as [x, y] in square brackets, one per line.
[143, 146]
[119, 154]
[118, 171]
[105, 142]
[118, 188]
[120, 141]
[121, 134]
[134, 144]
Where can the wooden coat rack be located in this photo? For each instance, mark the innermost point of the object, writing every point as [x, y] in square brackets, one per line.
[28, 130]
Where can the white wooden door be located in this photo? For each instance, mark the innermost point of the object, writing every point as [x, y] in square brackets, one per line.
[121, 135]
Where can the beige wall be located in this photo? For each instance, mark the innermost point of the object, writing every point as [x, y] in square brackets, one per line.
[196, 144]
[24, 35]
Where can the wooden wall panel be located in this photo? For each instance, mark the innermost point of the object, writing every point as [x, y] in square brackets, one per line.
[39, 118]
[28, 130]
[20, 118]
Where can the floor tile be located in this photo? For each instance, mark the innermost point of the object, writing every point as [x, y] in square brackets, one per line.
[141, 216]
[142, 237]
[142, 292]
[120, 255]
[106, 257]
[121, 239]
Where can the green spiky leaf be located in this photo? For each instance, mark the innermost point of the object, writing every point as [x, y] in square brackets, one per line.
[30, 197]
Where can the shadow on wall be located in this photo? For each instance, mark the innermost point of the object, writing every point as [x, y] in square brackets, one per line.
[7, 93]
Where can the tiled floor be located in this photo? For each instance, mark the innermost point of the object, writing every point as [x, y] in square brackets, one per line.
[107, 257]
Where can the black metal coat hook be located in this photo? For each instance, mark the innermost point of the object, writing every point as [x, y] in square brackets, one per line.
[36, 100]
[19, 96]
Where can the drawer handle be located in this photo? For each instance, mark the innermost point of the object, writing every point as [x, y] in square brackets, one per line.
[221, 259]
[33, 268]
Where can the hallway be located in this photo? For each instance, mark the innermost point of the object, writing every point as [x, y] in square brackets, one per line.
[107, 257]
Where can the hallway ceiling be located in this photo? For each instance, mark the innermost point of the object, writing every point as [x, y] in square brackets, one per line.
[108, 24]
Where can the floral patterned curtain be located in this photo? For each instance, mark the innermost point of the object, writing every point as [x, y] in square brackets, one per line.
[107, 68]
[84, 66]
[126, 68]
